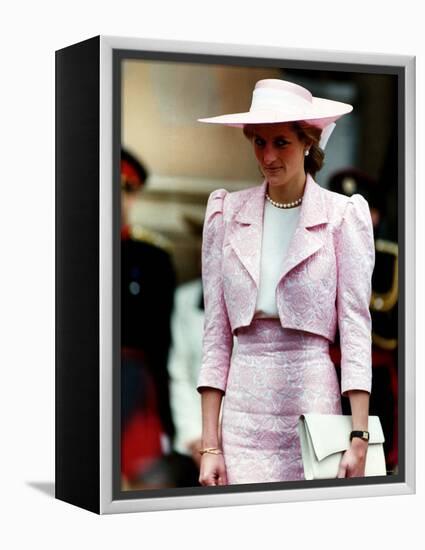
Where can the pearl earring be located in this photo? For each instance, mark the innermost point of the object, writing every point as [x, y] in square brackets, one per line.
[306, 152]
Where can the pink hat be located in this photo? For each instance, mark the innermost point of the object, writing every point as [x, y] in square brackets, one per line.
[275, 101]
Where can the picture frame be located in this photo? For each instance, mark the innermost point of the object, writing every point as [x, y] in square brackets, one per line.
[89, 135]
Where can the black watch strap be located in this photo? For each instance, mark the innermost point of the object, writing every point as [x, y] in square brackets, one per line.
[362, 434]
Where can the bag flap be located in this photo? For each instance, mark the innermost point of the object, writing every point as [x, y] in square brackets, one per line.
[330, 433]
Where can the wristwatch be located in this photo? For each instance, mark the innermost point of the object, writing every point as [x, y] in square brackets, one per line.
[362, 434]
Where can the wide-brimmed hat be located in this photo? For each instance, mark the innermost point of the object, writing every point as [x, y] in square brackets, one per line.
[275, 101]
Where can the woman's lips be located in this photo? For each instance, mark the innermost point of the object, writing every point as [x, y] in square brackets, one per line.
[272, 170]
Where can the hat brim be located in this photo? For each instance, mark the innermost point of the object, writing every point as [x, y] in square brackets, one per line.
[321, 113]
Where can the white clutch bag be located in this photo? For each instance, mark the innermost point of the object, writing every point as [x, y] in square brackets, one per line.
[325, 437]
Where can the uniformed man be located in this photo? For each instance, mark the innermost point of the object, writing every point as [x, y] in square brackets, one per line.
[147, 289]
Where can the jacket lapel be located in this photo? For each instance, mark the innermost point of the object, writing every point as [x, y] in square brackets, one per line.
[247, 229]
[304, 242]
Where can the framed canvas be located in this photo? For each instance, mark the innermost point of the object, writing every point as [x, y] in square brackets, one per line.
[134, 170]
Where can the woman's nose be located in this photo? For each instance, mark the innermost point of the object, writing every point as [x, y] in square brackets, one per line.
[269, 154]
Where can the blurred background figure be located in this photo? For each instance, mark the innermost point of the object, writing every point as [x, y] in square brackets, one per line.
[184, 363]
[383, 306]
[147, 288]
[352, 180]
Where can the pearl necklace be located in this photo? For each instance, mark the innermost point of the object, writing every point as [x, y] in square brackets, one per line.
[284, 204]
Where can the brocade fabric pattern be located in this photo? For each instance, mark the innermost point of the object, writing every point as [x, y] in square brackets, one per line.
[276, 374]
[325, 282]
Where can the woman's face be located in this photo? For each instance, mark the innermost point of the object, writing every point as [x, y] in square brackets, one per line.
[280, 154]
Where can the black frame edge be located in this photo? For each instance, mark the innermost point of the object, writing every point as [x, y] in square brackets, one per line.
[77, 95]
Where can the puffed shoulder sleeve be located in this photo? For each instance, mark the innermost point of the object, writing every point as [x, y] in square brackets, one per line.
[217, 339]
[355, 260]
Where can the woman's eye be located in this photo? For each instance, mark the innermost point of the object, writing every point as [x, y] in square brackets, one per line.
[259, 142]
[281, 143]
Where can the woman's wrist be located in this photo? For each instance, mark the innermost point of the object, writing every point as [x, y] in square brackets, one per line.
[210, 451]
[210, 442]
[359, 445]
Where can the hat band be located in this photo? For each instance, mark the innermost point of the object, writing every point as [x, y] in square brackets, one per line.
[267, 98]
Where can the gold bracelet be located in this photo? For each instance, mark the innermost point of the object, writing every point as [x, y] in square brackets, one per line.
[211, 450]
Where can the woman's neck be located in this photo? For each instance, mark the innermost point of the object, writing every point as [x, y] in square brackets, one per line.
[289, 192]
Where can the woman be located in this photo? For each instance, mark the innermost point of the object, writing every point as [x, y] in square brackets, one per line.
[284, 263]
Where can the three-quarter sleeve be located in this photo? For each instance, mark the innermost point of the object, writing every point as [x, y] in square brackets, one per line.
[355, 260]
[217, 338]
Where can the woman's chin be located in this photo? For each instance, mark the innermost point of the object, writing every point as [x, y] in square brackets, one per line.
[274, 180]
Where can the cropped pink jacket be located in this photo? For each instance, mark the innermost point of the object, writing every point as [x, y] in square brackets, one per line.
[325, 279]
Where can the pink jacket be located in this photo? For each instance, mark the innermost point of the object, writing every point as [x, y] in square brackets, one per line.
[325, 280]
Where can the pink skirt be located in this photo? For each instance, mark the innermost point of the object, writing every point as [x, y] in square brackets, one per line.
[275, 375]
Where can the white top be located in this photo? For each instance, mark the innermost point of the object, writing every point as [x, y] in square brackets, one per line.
[278, 228]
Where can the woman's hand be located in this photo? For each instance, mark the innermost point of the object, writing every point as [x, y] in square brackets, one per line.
[213, 470]
[353, 461]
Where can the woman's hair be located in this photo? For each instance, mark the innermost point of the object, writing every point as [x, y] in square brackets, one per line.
[307, 133]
